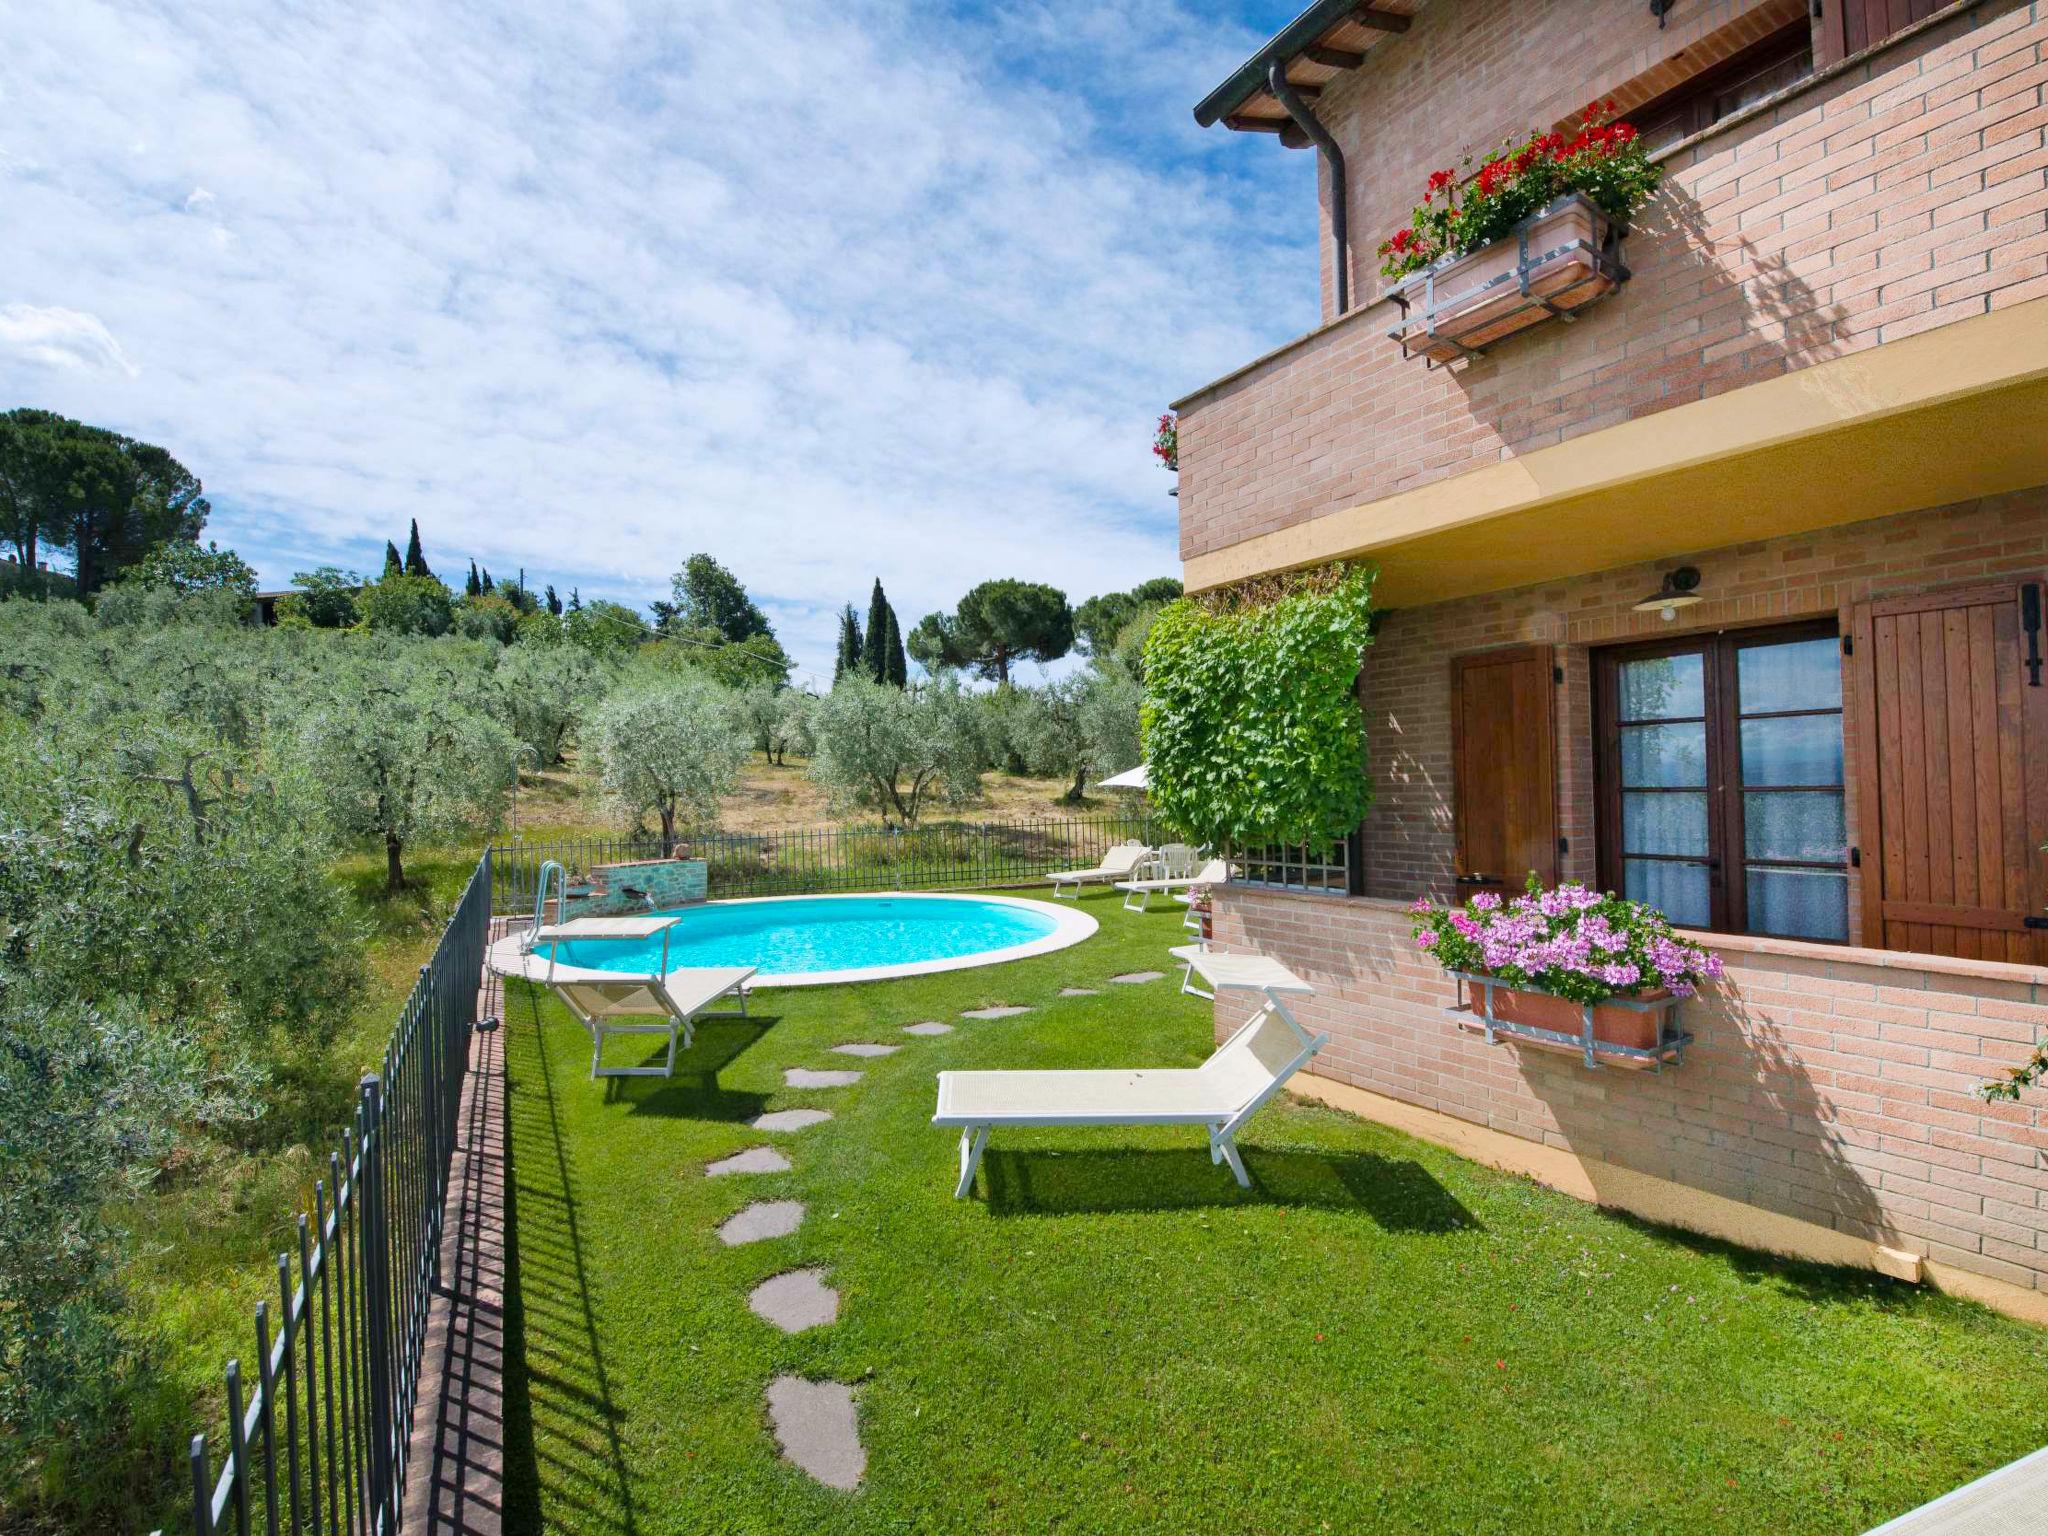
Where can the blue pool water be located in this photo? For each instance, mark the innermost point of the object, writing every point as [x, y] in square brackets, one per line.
[802, 935]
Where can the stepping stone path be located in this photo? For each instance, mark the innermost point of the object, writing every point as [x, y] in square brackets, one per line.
[1134, 978]
[1079, 992]
[762, 1220]
[1003, 1012]
[863, 1048]
[933, 1028]
[805, 1077]
[753, 1160]
[795, 1301]
[817, 1428]
[789, 1119]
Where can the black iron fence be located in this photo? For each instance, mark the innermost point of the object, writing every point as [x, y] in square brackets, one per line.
[316, 1438]
[815, 860]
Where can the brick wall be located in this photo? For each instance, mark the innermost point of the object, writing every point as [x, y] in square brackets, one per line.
[1831, 1085]
[1406, 684]
[1907, 193]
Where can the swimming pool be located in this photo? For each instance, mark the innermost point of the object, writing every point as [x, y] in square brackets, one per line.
[800, 941]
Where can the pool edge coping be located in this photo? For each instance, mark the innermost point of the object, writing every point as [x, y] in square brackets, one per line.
[1070, 927]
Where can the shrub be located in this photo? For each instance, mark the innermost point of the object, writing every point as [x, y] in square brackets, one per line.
[1252, 730]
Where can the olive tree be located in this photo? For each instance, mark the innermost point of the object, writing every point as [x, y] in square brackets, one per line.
[669, 745]
[890, 749]
[546, 692]
[396, 754]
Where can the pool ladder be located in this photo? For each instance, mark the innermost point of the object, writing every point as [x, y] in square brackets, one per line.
[540, 900]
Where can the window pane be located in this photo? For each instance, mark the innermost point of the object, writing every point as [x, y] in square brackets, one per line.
[1663, 688]
[1679, 891]
[1799, 749]
[1664, 824]
[1798, 903]
[1800, 674]
[1663, 756]
[1794, 827]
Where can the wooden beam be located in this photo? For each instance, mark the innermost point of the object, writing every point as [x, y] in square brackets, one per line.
[1332, 58]
[1382, 21]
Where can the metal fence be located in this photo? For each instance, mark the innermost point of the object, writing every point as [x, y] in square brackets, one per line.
[841, 858]
[1297, 867]
[316, 1440]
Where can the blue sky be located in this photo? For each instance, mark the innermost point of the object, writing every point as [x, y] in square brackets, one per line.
[830, 290]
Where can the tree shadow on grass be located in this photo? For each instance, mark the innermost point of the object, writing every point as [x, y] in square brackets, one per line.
[1399, 1195]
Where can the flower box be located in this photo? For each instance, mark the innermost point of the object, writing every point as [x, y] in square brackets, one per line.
[1633, 1033]
[1554, 262]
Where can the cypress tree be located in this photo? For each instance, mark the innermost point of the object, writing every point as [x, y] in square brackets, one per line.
[415, 557]
[488, 588]
[474, 587]
[554, 602]
[898, 665]
[874, 647]
[393, 566]
[575, 599]
[849, 644]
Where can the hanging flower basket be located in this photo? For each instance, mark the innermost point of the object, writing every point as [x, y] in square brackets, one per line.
[1534, 234]
[1558, 260]
[1568, 969]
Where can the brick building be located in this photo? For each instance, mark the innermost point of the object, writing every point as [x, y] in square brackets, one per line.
[1726, 594]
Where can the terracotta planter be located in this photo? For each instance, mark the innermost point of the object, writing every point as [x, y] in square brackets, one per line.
[1560, 259]
[1612, 1025]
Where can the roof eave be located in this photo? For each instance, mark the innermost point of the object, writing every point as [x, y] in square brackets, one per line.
[1250, 77]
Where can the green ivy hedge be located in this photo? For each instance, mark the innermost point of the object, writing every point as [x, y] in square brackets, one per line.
[1252, 730]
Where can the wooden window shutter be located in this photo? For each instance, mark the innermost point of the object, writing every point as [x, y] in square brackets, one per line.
[1952, 771]
[1850, 26]
[1504, 767]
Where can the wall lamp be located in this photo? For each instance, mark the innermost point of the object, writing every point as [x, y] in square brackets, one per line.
[1681, 589]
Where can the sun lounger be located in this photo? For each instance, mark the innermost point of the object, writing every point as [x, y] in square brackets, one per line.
[1222, 1093]
[673, 1000]
[1116, 863]
[1137, 893]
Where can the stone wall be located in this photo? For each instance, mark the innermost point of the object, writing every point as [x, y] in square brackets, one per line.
[668, 882]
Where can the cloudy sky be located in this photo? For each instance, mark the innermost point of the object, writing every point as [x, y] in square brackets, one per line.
[830, 290]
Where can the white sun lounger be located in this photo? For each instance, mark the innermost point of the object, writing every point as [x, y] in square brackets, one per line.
[1215, 872]
[1222, 1093]
[1116, 863]
[676, 999]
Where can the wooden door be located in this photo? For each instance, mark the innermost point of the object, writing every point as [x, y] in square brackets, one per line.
[1504, 767]
[1952, 771]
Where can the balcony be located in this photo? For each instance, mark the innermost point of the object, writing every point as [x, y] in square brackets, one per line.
[1841, 297]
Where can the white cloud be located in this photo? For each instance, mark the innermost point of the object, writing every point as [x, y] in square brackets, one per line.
[61, 338]
[832, 291]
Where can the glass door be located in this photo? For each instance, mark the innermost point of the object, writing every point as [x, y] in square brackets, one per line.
[1666, 829]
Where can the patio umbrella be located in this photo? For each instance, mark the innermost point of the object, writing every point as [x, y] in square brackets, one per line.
[1130, 778]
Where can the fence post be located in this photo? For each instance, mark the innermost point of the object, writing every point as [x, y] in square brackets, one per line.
[376, 1260]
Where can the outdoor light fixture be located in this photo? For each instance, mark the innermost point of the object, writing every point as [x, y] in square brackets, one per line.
[1680, 590]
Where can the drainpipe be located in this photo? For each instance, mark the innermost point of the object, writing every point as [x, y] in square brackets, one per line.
[1305, 120]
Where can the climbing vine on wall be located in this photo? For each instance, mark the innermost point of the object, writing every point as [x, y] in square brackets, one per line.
[1253, 734]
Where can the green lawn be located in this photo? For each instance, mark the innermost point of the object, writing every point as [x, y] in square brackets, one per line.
[1112, 1337]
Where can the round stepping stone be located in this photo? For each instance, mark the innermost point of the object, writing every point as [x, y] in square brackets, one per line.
[795, 1301]
[753, 1160]
[1004, 1012]
[863, 1048]
[817, 1429]
[1079, 992]
[933, 1028]
[789, 1119]
[805, 1077]
[1134, 978]
[762, 1220]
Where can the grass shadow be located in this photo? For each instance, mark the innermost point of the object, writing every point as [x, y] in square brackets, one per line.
[693, 1091]
[1810, 1281]
[1399, 1195]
